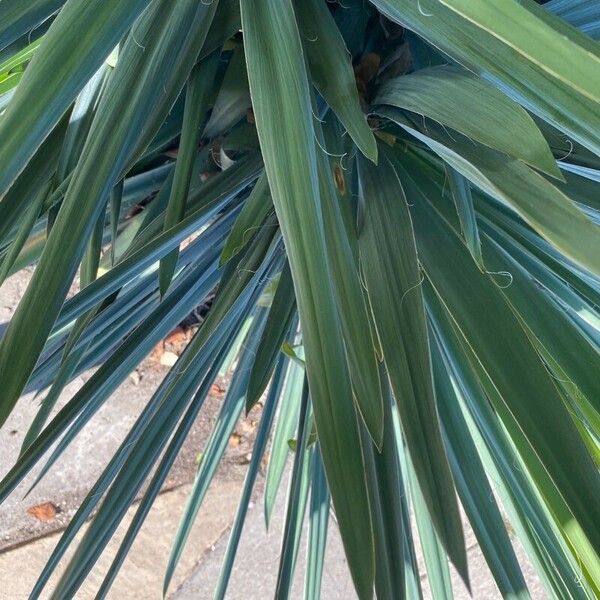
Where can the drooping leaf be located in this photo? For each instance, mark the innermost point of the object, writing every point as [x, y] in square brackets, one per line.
[114, 203]
[497, 338]
[233, 100]
[18, 18]
[26, 225]
[474, 490]
[281, 315]
[198, 88]
[391, 271]
[260, 445]
[216, 445]
[282, 108]
[528, 513]
[326, 53]
[464, 102]
[436, 561]
[297, 499]
[348, 293]
[385, 491]
[161, 54]
[51, 82]
[253, 213]
[320, 501]
[511, 181]
[284, 430]
[461, 192]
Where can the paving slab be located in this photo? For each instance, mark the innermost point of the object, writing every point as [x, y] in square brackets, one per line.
[254, 574]
[75, 472]
[141, 576]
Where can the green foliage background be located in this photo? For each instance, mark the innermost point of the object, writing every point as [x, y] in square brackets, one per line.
[397, 203]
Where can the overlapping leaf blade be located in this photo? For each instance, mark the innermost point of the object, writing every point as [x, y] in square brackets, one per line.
[283, 112]
[561, 222]
[517, 346]
[326, 53]
[162, 54]
[391, 270]
[514, 45]
[18, 18]
[464, 102]
[474, 490]
[496, 337]
[51, 82]
[199, 88]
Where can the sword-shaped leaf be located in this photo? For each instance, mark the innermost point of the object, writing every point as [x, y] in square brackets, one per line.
[282, 107]
[326, 53]
[391, 271]
[157, 57]
[79, 40]
[506, 354]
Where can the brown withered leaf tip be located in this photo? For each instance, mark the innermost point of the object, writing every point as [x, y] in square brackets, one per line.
[338, 176]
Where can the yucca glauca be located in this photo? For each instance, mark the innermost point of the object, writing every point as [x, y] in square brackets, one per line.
[397, 203]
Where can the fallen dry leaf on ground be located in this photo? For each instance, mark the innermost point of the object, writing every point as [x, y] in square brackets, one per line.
[46, 511]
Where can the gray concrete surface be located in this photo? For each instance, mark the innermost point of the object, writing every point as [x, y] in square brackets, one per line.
[255, 569]
[141, 575]
[70, 479]
[254, 574]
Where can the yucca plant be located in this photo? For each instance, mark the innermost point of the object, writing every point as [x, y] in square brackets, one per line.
[397, 203]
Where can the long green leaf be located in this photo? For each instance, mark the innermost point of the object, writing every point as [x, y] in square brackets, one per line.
[282, 107]
[384, 478]
[38, 172]
[529, 514]
[197, 95]
[157, 57]
[320, 501]
[327, 54]
[18, 18]
[233, 99]
[217, 444]
[463, 200]
[89, 398]
[506, 354]
[281, 315]
[391, 270]
[436, 561]
[284, 431]
[253, 213]
[161, 473]
[350, 300]
[260, 444]
[25, 226]
[511, 181]
[139, 452]
[80, 38]
[296, 502]
[548, 322]
[474, 490]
